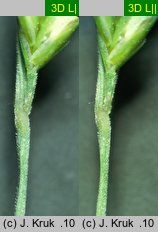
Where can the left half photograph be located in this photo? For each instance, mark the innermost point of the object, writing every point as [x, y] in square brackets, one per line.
[39, 69]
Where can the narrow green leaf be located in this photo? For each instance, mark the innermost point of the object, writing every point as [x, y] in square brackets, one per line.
[29, 25]
[52, 38]
[105, 27]
[128, 37]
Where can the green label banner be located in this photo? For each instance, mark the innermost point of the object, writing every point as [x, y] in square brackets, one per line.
[141, 7]
[61, 7]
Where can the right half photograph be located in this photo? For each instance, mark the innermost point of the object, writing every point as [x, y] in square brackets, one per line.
[118, 92]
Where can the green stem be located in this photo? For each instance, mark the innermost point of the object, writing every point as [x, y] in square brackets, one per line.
[103, 104]
[104, 135]
[23, 143]
[25, 87]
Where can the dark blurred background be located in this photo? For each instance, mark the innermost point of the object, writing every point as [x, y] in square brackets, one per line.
[53, 172]
[133, 181]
